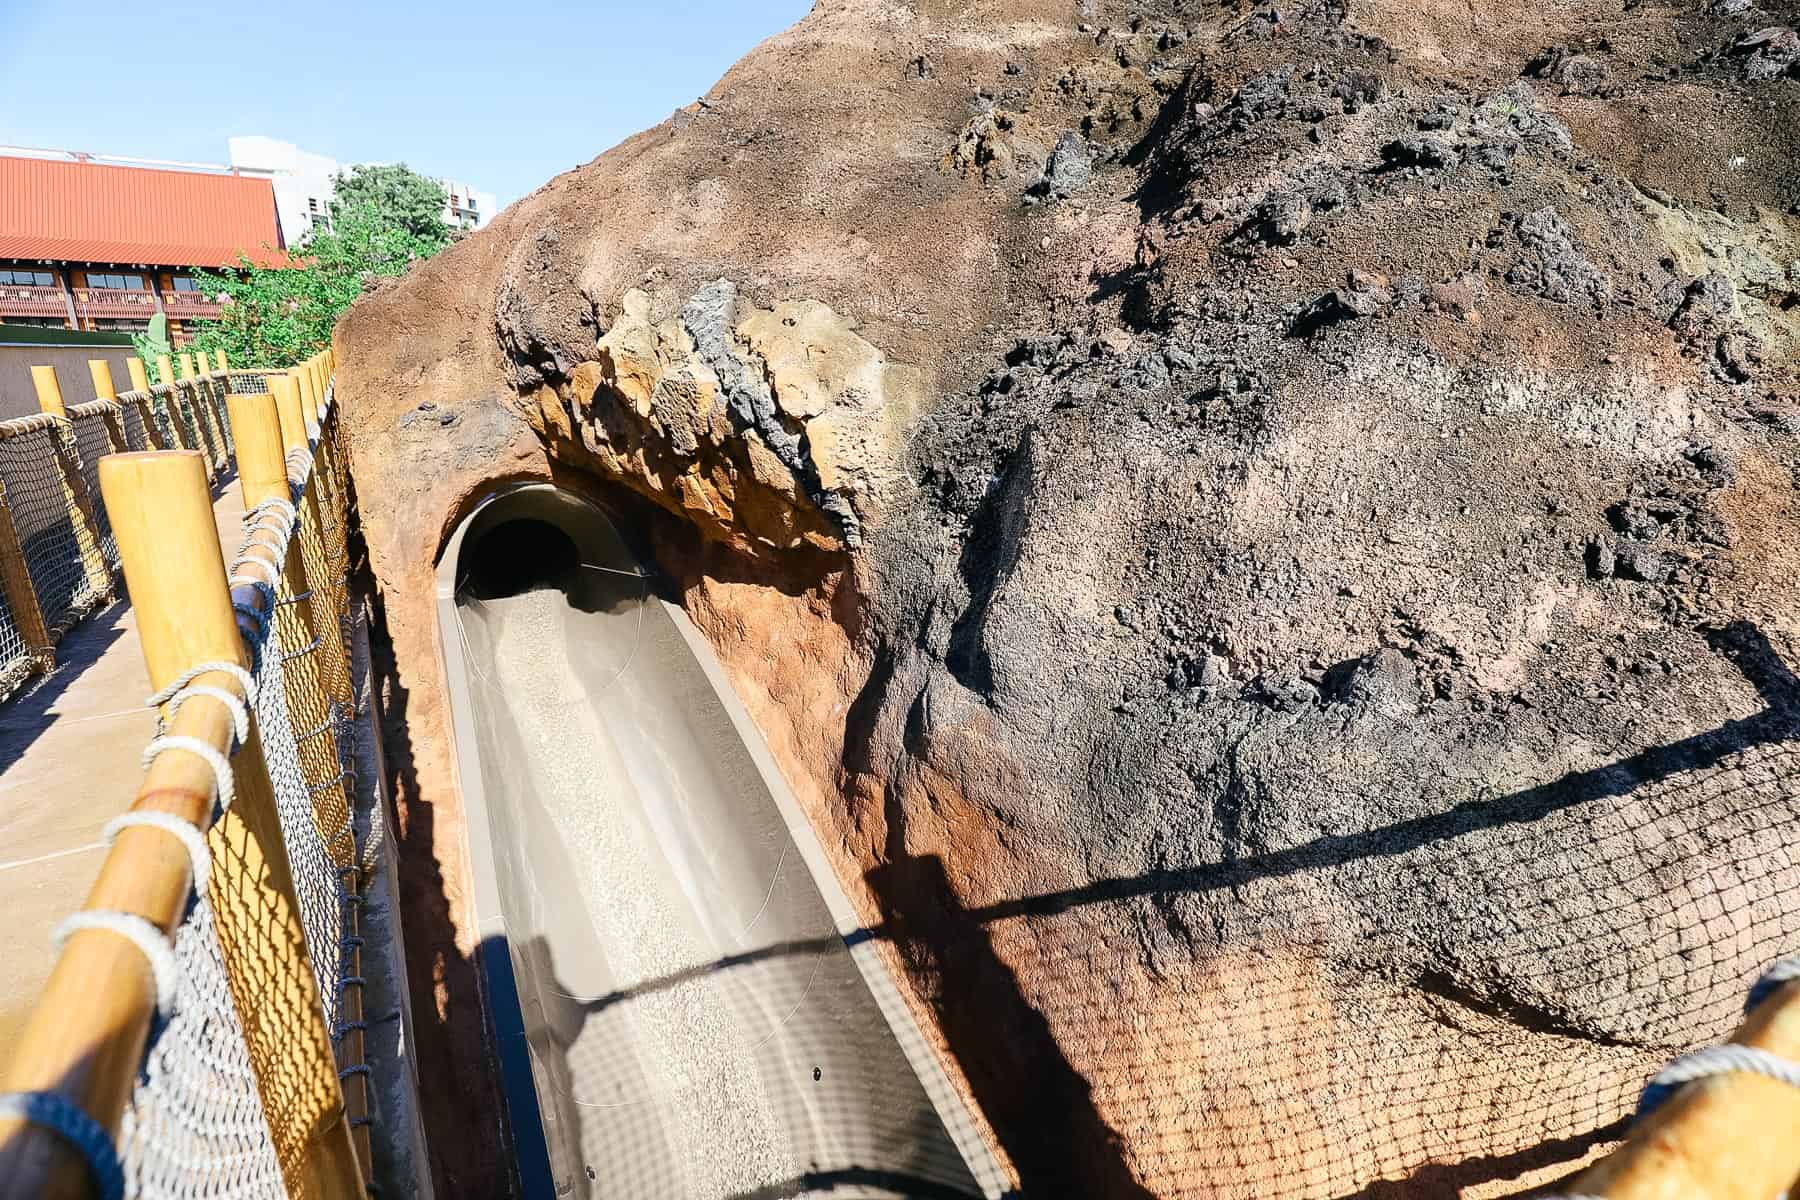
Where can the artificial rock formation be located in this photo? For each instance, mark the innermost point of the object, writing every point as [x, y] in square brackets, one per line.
[1264, 538]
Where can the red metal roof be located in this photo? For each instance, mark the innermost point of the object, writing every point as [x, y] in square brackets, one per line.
[88, 212]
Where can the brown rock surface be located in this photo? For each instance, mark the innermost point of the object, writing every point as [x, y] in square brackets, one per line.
[1265, 540]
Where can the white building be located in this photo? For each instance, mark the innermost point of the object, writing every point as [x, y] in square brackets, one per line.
[305, 184]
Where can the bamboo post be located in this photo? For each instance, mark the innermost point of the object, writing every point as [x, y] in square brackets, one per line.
[1727, 1137]
[21, 597]
[309, 399]
[101, 370]
[263, 476]
[76, 501]
[140, 382]
[85, 1038]
[49, 392]
[322, 548]
[310, 410]
[299, 433]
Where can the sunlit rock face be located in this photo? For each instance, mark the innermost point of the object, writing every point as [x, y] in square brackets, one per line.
[1265, 542]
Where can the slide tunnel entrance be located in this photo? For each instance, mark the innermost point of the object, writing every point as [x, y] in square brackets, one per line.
[677, 1011]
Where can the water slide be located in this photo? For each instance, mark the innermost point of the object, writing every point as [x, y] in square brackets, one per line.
[678, 1010]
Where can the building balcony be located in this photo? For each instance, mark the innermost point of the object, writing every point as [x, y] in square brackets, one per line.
[187, 306]
[115, 302]
[32, 302]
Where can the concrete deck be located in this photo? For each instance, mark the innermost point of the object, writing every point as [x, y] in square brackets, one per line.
[70, 748]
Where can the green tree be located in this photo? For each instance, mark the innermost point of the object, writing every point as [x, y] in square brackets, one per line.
[409, 200]
[277, 316]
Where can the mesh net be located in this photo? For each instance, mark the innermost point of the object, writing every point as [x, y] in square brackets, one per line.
[1276, 1059]
[197, 409]
[195, 1113]
[215, 387]
[96, 425]
[172, 429]
[135, 420]
[40, 468]
[16, 657]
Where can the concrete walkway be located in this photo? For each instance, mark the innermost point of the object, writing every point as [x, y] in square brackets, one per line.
[70, 751]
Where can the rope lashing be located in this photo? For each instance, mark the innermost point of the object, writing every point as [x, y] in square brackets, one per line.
[203, 750]
[186, 832]
[73, 1125]
[271, 573]
[165, 972]
[180, 689]
[1716, 1060]
[1730, 1058]
[1784, 970]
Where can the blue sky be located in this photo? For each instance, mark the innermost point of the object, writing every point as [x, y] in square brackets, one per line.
[502, 95]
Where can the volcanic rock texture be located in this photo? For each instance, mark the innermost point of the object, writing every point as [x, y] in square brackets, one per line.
[1265, 539]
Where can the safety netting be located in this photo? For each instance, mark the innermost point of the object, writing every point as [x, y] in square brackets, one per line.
[137, 421]
[17, 657]
[54, 518]
[99, 431]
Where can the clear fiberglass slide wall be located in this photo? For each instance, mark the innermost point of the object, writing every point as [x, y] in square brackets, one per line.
[694, 1023]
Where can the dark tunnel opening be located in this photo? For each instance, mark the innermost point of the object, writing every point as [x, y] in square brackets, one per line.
[518, 555]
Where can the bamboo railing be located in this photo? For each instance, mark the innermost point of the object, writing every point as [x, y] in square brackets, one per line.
[280, 614]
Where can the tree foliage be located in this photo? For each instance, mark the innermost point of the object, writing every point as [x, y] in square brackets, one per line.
[277, 316]
[409, 200]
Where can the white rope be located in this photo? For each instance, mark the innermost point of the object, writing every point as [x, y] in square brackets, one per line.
[1782, 971]
[201, 749]
[158, 953]
[240, 713]
[243, 677]
[285, 508]
[271, 573]
[1728, 1059]
[184, 689]
[186, 832]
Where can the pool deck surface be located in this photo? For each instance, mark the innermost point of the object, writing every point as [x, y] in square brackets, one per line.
[71, 744]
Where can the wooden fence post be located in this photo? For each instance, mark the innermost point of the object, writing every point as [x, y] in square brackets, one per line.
[101, 370]
[49, 392]
[140, 375]
[76, 502]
